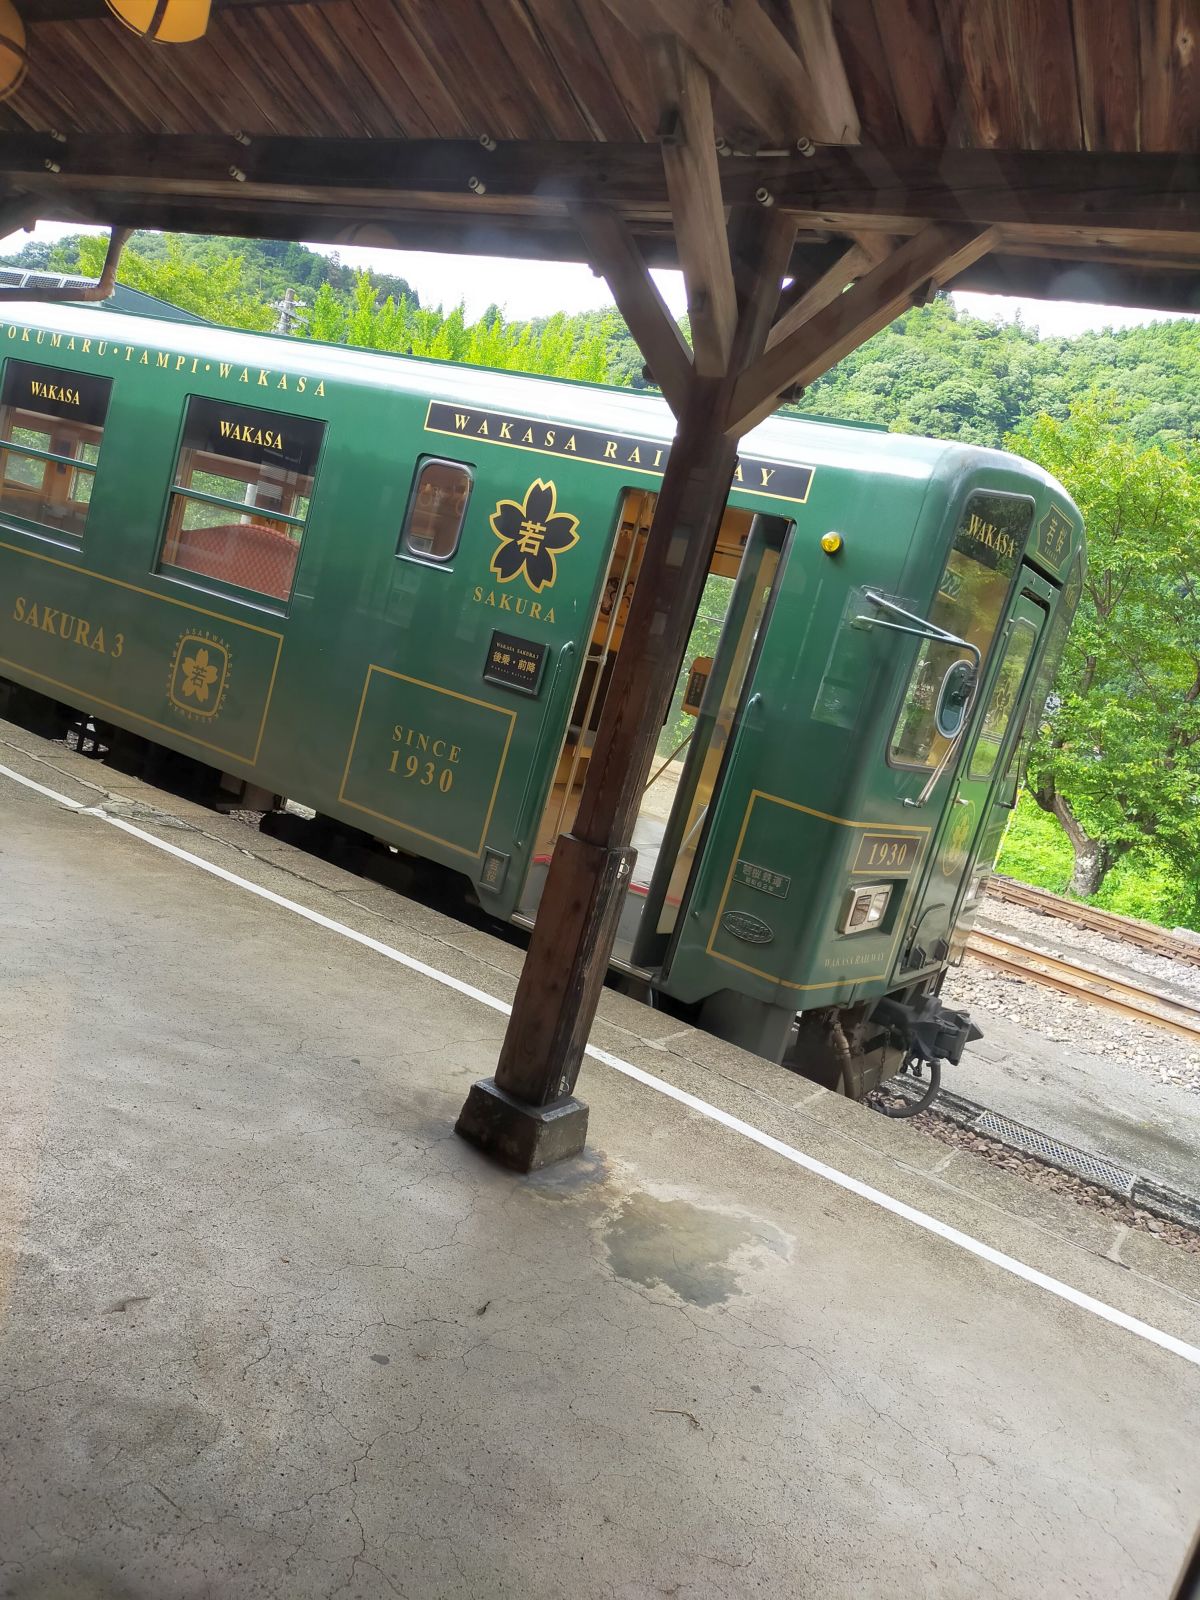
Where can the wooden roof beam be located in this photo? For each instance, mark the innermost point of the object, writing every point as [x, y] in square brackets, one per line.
[689, 155]
[18, 211]
[935, 255]
[778, 92]
[855, 191]
[1075, 275]
[851, 190]
[614, 253]
[818, 295]
[817, 46]
[542, 173]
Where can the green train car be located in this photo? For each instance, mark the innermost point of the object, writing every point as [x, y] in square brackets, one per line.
[394, 590]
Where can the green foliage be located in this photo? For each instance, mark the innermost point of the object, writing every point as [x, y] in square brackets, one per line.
[942, 372]
[558, 346]
[1117, 756]
[327, 319]
[217, 290]
[1142, 884]
[1035, 848]
[269, 266]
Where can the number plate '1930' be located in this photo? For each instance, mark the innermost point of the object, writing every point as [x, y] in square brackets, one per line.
[894, 854]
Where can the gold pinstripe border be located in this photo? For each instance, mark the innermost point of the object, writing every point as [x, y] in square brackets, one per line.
[395, 822]
[824, 816]
[137, 716]
[621, 466]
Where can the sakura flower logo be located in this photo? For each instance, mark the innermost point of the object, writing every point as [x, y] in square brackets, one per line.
[199, 674]
[532, 534]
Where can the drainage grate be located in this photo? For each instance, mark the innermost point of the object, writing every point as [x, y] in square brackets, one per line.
[1064, 1156]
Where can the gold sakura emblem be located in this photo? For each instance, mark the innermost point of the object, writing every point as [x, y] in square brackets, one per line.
[533, 533]
[198, 675]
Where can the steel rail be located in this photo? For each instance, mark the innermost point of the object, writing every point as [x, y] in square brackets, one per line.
[1084, 983]
[1110, 923]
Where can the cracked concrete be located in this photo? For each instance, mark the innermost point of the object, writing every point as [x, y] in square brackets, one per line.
[267, 1329]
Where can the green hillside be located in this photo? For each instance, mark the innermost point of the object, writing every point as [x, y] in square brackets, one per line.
[934, 371]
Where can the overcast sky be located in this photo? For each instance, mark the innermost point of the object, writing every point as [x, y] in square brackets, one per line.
[535, 288]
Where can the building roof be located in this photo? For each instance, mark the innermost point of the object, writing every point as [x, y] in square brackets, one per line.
[129, 301]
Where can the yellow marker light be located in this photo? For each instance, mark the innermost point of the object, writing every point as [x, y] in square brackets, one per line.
[831, 543]
[165, 21]
[12, 49]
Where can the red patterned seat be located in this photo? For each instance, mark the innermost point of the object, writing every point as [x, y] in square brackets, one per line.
[252, 555]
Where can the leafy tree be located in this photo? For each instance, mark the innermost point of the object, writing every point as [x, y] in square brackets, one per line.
[217, 291]
[33, 256]
[1117, 759]
[362, 324]
[270, 266]
[327, 319]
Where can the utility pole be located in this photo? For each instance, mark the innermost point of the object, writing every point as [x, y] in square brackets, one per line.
[291, 312]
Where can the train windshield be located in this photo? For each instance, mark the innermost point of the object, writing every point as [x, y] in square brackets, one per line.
[969, 602]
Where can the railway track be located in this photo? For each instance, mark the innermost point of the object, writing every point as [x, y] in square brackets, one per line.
[1110, 923]
[1180, 1017]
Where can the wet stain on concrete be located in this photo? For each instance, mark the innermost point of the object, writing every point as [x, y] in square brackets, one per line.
[581, 1175]
[700, 1253]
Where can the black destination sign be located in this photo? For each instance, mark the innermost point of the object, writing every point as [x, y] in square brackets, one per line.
[53, 392]
[993, 529]
[515, 663]
[777, 480]
[275, 439]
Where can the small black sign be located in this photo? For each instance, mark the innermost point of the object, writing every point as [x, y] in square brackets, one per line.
[515, 663]
[274, 439]
[76, 396]
[993, 529]
[776, 480]
[887, 855]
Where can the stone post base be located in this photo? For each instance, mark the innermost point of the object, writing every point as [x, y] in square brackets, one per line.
[521, 1136]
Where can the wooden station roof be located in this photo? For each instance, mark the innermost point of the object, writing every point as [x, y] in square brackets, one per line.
[1072, 126]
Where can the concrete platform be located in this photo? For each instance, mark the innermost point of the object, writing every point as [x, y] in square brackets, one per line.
[268, 1329]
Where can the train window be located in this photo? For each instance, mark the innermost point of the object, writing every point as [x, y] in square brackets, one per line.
[51, 424]
[1004, 697]
[970, 602]
[240, 497]
[436, 509]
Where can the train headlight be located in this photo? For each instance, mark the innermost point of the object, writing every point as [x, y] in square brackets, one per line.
[865, 908]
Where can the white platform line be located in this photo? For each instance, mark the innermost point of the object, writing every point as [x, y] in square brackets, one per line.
[747, 1130]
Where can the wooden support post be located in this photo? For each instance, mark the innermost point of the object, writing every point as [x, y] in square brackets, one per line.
[817, 296]
[937, 253]
[614, 251]
[694, 185]
[527, 1115]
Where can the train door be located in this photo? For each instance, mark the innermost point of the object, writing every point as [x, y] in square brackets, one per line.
[994, 726]
[699, 725]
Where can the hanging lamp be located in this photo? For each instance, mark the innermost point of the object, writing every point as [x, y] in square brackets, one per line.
[164, 21]
[13, 58]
